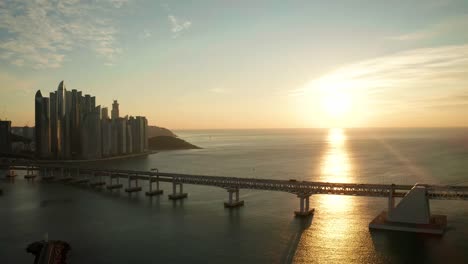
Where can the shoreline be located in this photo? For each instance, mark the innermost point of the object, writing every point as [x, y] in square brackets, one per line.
[128, 156]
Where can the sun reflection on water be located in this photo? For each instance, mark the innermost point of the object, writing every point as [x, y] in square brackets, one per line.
[332, 228]
[336, 166]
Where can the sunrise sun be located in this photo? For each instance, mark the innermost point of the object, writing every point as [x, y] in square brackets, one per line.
[336, 103]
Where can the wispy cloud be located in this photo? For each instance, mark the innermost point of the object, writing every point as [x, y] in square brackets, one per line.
[118, 3]
[449, 26]
[145, 34]
[178, 25]
[218, 90]
[420, 78]
[41, 33]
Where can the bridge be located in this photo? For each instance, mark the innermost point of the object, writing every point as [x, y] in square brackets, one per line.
[411, 214]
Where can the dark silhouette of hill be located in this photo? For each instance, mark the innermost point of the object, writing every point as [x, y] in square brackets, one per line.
[155, 131]
[169, 143]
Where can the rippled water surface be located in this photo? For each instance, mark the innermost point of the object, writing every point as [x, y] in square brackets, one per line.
[113, 227]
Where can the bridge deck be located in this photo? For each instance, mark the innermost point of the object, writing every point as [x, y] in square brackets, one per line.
[441, 192]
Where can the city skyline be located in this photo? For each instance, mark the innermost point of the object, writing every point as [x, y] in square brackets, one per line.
[69, 125]
[224, 65]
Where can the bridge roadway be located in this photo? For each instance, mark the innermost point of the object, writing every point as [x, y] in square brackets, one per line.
[300, 188]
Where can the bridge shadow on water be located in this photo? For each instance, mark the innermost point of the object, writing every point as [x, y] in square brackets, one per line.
[298, 226]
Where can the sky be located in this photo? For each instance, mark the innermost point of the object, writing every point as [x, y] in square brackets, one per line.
[243, 64]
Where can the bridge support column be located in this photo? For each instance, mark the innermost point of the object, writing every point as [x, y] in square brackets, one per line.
[304, 210]
[135, 188]
[112, 185]
[97, 183]
[180, 194]
[66, 175]
[233, 204]
[48, 174]
[152, 192]
[30, 175]
[10, 175]
[391, 201]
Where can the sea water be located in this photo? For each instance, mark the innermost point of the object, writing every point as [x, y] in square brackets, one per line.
[114, 227]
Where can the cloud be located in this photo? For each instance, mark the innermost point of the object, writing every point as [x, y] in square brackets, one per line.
[218, 90]
[177, 25]
[40, 34]
[146, 34]
[118, 3]
[416, 79]
[454, 25]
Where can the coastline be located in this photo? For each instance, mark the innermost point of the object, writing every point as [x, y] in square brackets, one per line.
[129, 156]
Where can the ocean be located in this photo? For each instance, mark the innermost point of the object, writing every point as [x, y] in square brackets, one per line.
[114, 227]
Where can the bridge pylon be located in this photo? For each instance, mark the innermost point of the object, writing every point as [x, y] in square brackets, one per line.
[177, 195]
[131, 188]
[152, 192]
[412, 214]
[233, 203]
[114, 184]
[304, 209]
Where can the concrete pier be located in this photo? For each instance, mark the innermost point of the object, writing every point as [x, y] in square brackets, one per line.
[152, 192]
[304, 210]
[79, 181]
[11, 174]
[97, 183]
[64, 179]
[114, 184]
[48, 175]
[412, 214]
[233, 203]
[177, 195]
[131, 188]
[30, 176]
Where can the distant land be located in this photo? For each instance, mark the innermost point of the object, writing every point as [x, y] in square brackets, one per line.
[155, 131]
[160, 138]
[169, 143]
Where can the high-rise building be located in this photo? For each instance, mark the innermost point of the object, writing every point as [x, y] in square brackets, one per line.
[67, 131]
[106, 137]
[104, 113]
[115, 110]
[91, 135]
[42, 117]
[129, 139]
[53, 124]
[5, 136]
[121, 135]
[139, 126]
[70, 126]
[75, 134]
[61, 101]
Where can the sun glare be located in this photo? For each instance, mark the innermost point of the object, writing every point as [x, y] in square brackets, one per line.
[336, 103]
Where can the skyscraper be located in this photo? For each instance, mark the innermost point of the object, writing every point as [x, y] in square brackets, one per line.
[91, 135]
[42, 118]
[5, 136]
[61, 120]
[53, 124]
[115, 110]
[104, 113]
[75, 124]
